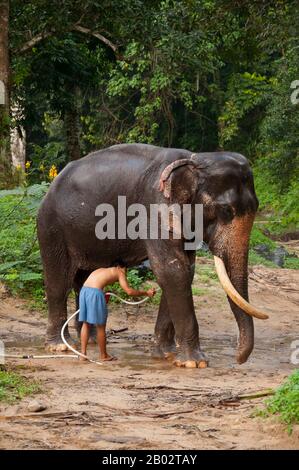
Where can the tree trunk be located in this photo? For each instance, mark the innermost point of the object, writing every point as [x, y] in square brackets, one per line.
[72, 133]
[5, 158]
[4, 53]
[17, 136]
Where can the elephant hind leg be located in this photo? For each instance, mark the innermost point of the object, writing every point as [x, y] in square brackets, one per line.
[164, 332]
[59, 274]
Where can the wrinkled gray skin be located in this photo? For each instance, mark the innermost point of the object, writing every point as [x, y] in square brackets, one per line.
[222, 182]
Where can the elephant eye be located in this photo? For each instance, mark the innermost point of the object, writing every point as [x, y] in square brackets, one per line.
[226, 213]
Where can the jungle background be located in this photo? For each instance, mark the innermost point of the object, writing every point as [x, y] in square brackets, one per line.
[201, 75]
[204, 75]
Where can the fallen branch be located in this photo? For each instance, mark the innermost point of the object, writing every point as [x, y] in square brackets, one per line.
[114, 332]
[164, 387]
[53, 414]
[167, 413]
[154, 414]
[273, 282]
[264, 393]
[235, 400]
[83, 414]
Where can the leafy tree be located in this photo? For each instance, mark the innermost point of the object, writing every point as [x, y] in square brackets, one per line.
[198, 74]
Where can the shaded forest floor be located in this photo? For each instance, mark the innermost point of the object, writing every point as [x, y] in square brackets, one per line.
[142, 403]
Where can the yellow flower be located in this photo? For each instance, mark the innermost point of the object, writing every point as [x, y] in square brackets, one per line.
[28, 165]
[18, 167]
[53, 172]
[42, 167]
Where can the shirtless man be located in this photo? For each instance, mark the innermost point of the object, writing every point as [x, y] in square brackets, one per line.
[93, 306]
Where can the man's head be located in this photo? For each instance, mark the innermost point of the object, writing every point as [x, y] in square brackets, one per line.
[119, 263]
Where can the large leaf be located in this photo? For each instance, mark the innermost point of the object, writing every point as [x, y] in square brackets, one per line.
[12, 192]
[4, 267]
[29, 276]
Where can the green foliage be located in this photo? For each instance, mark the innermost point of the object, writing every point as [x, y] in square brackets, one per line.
[193, 74]
[135, 280]
[254, 258]
[245, 92]
[279, 140]
[14, 386]
[162, 70]
[282, 206]
[198, 291]
[285, 402]
[291, 263]
[20, 266]
[206, 273]
[258, 238]
[204, 254]
[53, 152]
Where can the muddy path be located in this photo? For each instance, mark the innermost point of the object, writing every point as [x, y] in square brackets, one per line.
[142, 403]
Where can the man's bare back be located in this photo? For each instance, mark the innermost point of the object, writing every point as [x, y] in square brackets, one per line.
[102, 277]
[99, 279]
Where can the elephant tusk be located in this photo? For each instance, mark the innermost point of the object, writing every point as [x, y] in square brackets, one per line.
[233, 293]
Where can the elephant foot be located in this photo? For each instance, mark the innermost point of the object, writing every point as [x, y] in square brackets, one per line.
[56, 347]
[55, 343]
[191, 360]
[164, 351]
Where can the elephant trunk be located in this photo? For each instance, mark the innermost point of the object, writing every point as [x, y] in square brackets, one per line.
[239, 277]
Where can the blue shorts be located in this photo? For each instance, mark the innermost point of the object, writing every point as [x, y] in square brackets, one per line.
[93, 307]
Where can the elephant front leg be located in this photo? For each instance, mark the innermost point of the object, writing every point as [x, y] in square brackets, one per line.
[181, 308]
[164, 332]
[174, 274]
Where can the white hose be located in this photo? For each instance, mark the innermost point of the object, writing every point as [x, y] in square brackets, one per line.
[32, 356]
[128, 301]
[77, 311]
[70, 347]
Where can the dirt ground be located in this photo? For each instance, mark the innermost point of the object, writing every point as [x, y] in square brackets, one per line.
[141, 403]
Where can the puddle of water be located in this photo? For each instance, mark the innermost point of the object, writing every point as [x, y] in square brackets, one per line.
[132, 355]
[37, 342]
[135, 355]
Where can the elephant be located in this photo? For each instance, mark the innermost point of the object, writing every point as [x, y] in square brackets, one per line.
[221, 181]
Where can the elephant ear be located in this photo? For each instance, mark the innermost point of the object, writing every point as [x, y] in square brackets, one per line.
[179, 181]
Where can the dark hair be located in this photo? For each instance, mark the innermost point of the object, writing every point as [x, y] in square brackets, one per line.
[119, 262]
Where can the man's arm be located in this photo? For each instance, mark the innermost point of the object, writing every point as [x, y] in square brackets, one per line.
[123, 282]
